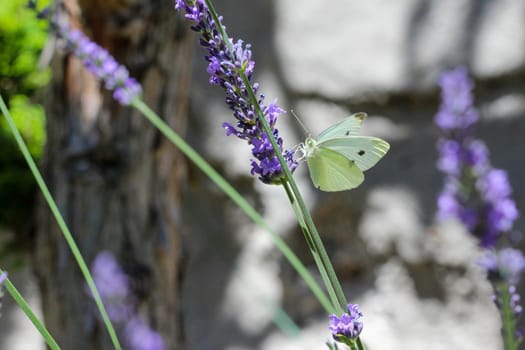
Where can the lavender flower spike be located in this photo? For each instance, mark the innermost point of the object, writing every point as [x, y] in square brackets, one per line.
[97, 60]
[225, 62]
[478, 194]
[474, 192]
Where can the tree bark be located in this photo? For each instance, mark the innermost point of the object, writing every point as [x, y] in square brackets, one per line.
[116, 180]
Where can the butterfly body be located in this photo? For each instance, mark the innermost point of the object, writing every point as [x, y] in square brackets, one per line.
[338, 157]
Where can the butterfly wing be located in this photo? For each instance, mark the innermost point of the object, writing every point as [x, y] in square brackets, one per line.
[331, 171]
[347, 127]
[365, 151]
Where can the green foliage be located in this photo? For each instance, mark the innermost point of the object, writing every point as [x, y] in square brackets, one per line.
[17, 186]
[30, 120]
[22, 39]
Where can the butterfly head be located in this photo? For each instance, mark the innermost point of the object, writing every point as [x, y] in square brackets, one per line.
[305, 149]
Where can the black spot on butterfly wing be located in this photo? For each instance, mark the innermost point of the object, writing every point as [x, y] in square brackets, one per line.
[347, 133]
[361, 152]
[361, 116]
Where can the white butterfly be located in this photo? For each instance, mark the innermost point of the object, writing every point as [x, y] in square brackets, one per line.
[338, 156]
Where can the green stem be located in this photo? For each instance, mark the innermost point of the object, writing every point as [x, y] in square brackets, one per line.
[298, 200]
[317, 258]
[61, 223]
[360, 345]
[312, 230]
[30, 314]
[507, 317]
[235, 196]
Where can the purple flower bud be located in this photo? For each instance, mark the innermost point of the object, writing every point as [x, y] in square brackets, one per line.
[495, 185]
[348, 325]
[450, 157]
[512, 264]
[114, 286]
[140, 336]
[506, 264]
[515, 300]
[448, 205]
[502, 214]
[477, 156]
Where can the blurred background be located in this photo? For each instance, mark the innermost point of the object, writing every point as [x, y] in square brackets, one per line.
[208, 278]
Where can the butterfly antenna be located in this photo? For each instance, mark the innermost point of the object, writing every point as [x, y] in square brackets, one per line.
[300, 122]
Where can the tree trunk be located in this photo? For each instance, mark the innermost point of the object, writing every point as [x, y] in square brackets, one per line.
[116, 180]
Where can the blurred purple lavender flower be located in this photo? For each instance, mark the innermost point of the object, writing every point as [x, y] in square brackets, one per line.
[100, 63]
[224, 67]
[140, 336]
[457, 111]
[515, 300]
[504, 265]
[477, 194]
[474, 192]
[95, 58]
[347, 327]
[114, 287]
[115, 290]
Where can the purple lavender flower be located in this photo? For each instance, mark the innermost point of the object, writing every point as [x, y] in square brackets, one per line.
[477, 194]
[140, 336]
[457, 112]
[474, 192]
[477, 156]
[95, 58]
[448, 205]
[114, 287]
[225, 62]
[504, 265]
[515, 300]
[514, 303]
[115, 290]
[494, 185]
[347, 327]
[99, 62]
[449, 157]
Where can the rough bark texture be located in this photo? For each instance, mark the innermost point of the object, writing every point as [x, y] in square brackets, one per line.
[116, 180]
